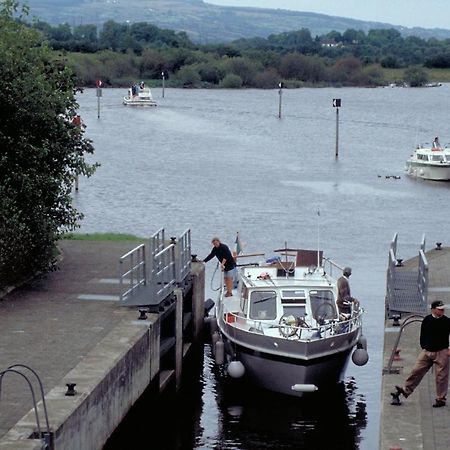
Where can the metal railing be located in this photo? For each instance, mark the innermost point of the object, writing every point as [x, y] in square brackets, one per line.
[132, 271]
[409, 320]
[423, 278]
[149, 276]
[183, 256]
[163, 274]
[45, 437]
[292, 332]
[395, 273]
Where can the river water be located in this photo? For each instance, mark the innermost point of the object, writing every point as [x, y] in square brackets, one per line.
[220, 161]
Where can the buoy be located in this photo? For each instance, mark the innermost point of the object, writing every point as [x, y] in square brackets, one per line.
[360, 357]
[304, 387]
[236, 369]
[214, 339]
[212, 322]
[220, 353]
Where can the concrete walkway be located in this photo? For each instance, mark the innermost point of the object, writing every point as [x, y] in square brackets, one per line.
[415, 424]
[53, 323]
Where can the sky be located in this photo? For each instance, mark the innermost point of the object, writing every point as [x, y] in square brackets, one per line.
[409, 13]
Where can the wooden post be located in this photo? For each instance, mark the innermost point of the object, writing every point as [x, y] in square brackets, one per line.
[98, 84]
[280, 94]
[163, 82]
[337, 132]
[337, 105]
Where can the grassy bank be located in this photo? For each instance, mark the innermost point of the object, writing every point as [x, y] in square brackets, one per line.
[102, 237]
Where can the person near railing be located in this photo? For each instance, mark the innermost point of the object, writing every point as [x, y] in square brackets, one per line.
[434, 341]
[227, 263]
[345, 301]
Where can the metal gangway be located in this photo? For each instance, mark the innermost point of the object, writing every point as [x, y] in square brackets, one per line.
[406, 290]
[149, 273]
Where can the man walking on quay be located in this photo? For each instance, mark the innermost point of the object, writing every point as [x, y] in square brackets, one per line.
[434, 340]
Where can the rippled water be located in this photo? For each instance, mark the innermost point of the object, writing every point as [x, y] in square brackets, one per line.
[221, 161]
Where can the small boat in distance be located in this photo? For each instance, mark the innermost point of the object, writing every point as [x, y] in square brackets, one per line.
[139, 95]
[429, 163]
[281, 328]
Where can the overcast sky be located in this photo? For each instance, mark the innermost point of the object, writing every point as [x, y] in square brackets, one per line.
[409, 13]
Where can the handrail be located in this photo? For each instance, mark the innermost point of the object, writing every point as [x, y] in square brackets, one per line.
[337, 326]
[410, 319]
[132, 270]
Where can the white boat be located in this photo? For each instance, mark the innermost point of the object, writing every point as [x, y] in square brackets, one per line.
[429, 163]
[281, 328]
[139, 96]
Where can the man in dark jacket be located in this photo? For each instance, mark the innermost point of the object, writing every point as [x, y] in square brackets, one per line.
[345, 300]
[227, 263]
[434, 341]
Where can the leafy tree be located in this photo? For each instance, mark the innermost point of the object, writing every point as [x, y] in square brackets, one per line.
[42, 151]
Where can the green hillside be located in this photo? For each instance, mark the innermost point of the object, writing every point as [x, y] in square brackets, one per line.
[203, 22]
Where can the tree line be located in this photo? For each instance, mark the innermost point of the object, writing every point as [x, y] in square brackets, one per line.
[120, 53]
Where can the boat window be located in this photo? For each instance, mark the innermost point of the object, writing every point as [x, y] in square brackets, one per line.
[295, 310]
[422, 157]
[293, 296]
[437, 158]
[323, 306]
[263, 305]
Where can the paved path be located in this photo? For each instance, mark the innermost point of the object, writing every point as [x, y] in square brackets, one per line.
[415, 424]
[53, 323]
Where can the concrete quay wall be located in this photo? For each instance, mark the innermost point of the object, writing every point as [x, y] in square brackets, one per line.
[112, 376]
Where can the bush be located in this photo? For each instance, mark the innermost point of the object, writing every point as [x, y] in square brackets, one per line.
[231, 81]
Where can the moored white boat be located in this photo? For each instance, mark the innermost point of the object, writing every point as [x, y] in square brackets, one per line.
[281, 329]
[429, 163]
[139, 96]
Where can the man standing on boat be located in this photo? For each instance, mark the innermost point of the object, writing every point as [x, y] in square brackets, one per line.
[436, 143]
[345, 300]
[227, 263]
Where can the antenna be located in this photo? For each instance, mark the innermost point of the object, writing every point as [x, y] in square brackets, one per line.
[318, 238]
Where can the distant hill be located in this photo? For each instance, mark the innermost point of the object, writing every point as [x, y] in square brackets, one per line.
[203, 22]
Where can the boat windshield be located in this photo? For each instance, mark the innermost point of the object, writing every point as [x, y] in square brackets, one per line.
[263, 305]
[323, 306]
[422, 157]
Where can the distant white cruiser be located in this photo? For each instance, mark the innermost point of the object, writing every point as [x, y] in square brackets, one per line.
[430, 163]
[139, 95]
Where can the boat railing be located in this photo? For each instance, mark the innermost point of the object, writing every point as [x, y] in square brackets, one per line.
[329, 264]
[330, 328]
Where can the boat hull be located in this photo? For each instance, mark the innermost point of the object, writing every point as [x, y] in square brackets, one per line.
[435, 172]
[129, 102]
[281, 374]
[279, 364]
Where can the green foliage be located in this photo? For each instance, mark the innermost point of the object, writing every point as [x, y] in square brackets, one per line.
[415, 76]
[42, 151]
[231, 81]
[188, 77]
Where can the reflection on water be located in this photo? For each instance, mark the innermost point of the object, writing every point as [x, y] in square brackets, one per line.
[215, 412]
